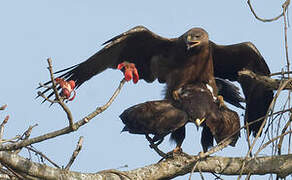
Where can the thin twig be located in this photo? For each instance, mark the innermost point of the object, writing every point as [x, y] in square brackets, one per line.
[217, 177]
[25, 136]
[267, 20]
[66, 130]
[75, 153]
[60, 101]
[279, 146]
[280, 73]
[3, 107]
[264, 122]
[275, 145]
[247, 137]
[12, 140]
[285, 7]
[46, 98]
[193, 170]
[104, 107]
[283, 131]
[2, 127]
[42, 155]
[27, 133]
[269, 142]
[201, 174]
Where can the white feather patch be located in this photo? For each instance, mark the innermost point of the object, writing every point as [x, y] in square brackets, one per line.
[211, 90]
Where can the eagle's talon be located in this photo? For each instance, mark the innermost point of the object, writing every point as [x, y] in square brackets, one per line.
[220, 101]
[67, 88]
[130, 71]
[175, 95]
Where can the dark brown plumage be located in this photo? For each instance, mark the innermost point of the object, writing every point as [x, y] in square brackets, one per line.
[188, 59]
[161, 118]
[158, 118]
[230, 92]
[230, 59]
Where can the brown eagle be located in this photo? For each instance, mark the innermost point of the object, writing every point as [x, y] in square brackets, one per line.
[196, 104]
[191, 59]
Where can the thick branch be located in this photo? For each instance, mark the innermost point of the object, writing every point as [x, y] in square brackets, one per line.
[272, 84]
[170, 168]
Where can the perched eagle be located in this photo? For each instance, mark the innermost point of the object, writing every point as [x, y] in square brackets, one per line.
[179, 62]
[196, 103]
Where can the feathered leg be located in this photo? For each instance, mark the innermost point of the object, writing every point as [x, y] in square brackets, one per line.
[178, 136]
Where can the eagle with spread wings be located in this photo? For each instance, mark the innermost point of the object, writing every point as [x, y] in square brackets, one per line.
[188, 66]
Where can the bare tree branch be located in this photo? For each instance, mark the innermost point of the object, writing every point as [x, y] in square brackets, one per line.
[75, 153]
[282, 138]
[272, 84]
[3, 107]
[44, 156]
[286, 4]
[169, 168]
[280, 73]
[2, 127]
[25, 136]
[281, 87]
[66, 130]
[59, 99]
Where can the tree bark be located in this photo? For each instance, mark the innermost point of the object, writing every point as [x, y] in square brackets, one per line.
[167, 169]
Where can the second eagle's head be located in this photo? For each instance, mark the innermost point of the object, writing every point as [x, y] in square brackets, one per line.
[195, 39]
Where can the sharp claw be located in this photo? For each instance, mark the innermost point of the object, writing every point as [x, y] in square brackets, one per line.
[120, 66]
[175, 95]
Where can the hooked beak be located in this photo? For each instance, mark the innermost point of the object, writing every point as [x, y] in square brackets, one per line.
[191, 44]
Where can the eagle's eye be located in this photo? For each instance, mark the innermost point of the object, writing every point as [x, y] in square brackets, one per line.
[189, 38]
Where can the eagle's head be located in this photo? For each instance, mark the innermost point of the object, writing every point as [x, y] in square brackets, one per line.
[196, 38]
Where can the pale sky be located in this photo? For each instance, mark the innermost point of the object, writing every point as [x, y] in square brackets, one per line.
[71, 31]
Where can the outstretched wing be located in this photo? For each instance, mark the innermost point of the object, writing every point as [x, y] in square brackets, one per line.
[138, 45]
[230, 59]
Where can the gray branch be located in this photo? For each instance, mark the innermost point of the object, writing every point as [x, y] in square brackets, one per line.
[272, 84]
[167, 169]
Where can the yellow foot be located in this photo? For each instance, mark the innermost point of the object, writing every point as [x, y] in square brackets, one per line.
[198, 121]
[175, 95]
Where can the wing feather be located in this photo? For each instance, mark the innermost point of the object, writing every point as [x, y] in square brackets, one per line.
[230, 59]
[137, 45]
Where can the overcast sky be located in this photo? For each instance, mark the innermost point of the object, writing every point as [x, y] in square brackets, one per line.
[71, 31]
